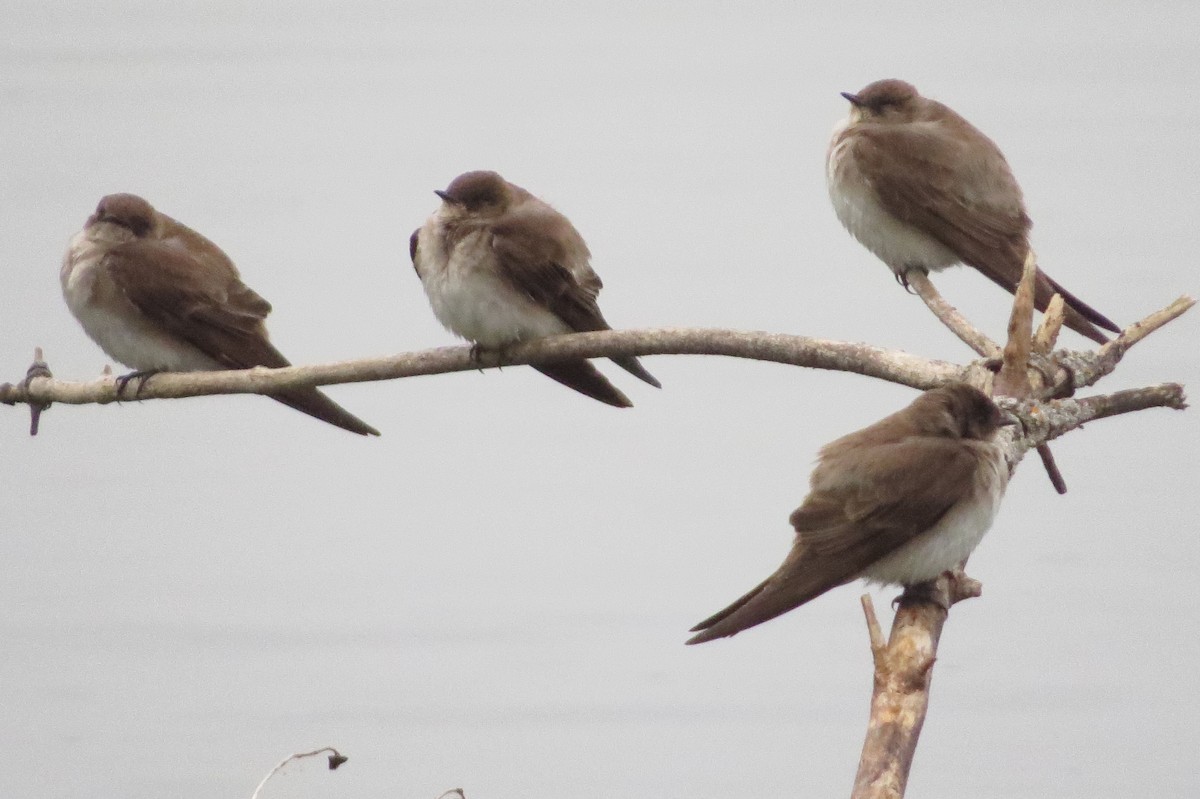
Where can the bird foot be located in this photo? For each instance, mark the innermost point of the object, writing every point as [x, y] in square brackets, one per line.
[477, 351]
[902, 276]
[929, 591]
[141, 375]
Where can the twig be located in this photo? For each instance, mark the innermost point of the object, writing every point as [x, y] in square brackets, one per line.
[336, 759]
[950, 316]
[1013, 379]
[1051, 467]
[1111, 353]
[1052, 322]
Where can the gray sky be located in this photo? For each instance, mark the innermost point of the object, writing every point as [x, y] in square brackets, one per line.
[495, 594]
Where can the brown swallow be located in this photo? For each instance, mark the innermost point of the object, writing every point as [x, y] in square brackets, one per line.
[898, 502]
[500, 266]
[158, 296]
[922, 188]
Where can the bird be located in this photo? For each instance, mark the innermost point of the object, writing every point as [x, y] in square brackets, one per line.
[922, 188]
[898, 502]
[500, 266]
[158, 296]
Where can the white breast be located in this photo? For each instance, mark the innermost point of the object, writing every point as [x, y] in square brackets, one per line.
[118, 327]
[897, 244]
[470, 299]
[955, 536]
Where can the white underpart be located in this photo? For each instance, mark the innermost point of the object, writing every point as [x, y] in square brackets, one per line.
[949, 542]
[896, 244]
[468, 297]
[120, 329]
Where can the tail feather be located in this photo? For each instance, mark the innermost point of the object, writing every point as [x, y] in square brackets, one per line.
[319, 406]
[634, 367]
[587, 380]
[1080, 317]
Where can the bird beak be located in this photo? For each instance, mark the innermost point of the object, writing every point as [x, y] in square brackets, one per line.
[446, 198]
[853, 98]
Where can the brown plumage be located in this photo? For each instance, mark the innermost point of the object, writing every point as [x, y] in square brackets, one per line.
[900, 501]
[921, 187]
[158, 296]
[500, 266]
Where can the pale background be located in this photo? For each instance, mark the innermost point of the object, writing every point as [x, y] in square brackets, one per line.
[495, 594]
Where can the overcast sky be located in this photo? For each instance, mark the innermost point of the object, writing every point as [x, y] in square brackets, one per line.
[495, 594]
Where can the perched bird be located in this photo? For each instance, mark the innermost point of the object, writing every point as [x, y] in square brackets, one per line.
[899, 502]
[500, 266]
[157, 296]
[922, 188]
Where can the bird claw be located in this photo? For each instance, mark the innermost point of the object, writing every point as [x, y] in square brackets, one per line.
[902, 276]
[923, 592]
[142, 375]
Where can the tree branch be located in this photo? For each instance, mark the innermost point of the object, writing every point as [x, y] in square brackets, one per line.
[903, 671]
[892, 365]
[973, 337]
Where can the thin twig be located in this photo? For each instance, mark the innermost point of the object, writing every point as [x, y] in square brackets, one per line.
[1052, 322]
[1013, 380]
[950, 316]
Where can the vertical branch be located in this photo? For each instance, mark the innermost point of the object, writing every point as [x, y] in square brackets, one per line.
[1013, 380]
[903, 671]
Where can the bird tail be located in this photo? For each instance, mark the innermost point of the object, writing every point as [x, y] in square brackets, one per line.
[587, 380]
[634, 367]
[729, 621]
[1079, 316]
[319, 406]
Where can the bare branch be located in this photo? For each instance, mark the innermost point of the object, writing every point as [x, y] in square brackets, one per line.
[1052, 322]
[903, 670]
[1013, 380]
[892, 365]
[950, 316]
[1087, 369]
[1051, 467]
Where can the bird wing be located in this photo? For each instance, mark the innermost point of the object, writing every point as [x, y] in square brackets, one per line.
[861, 513]
[854, 516]
[211, 309]
[538, 266]
[970, 204]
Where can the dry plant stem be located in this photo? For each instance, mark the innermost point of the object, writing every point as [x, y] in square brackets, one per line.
[892, 365]
[919, 282]
[335, 759]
